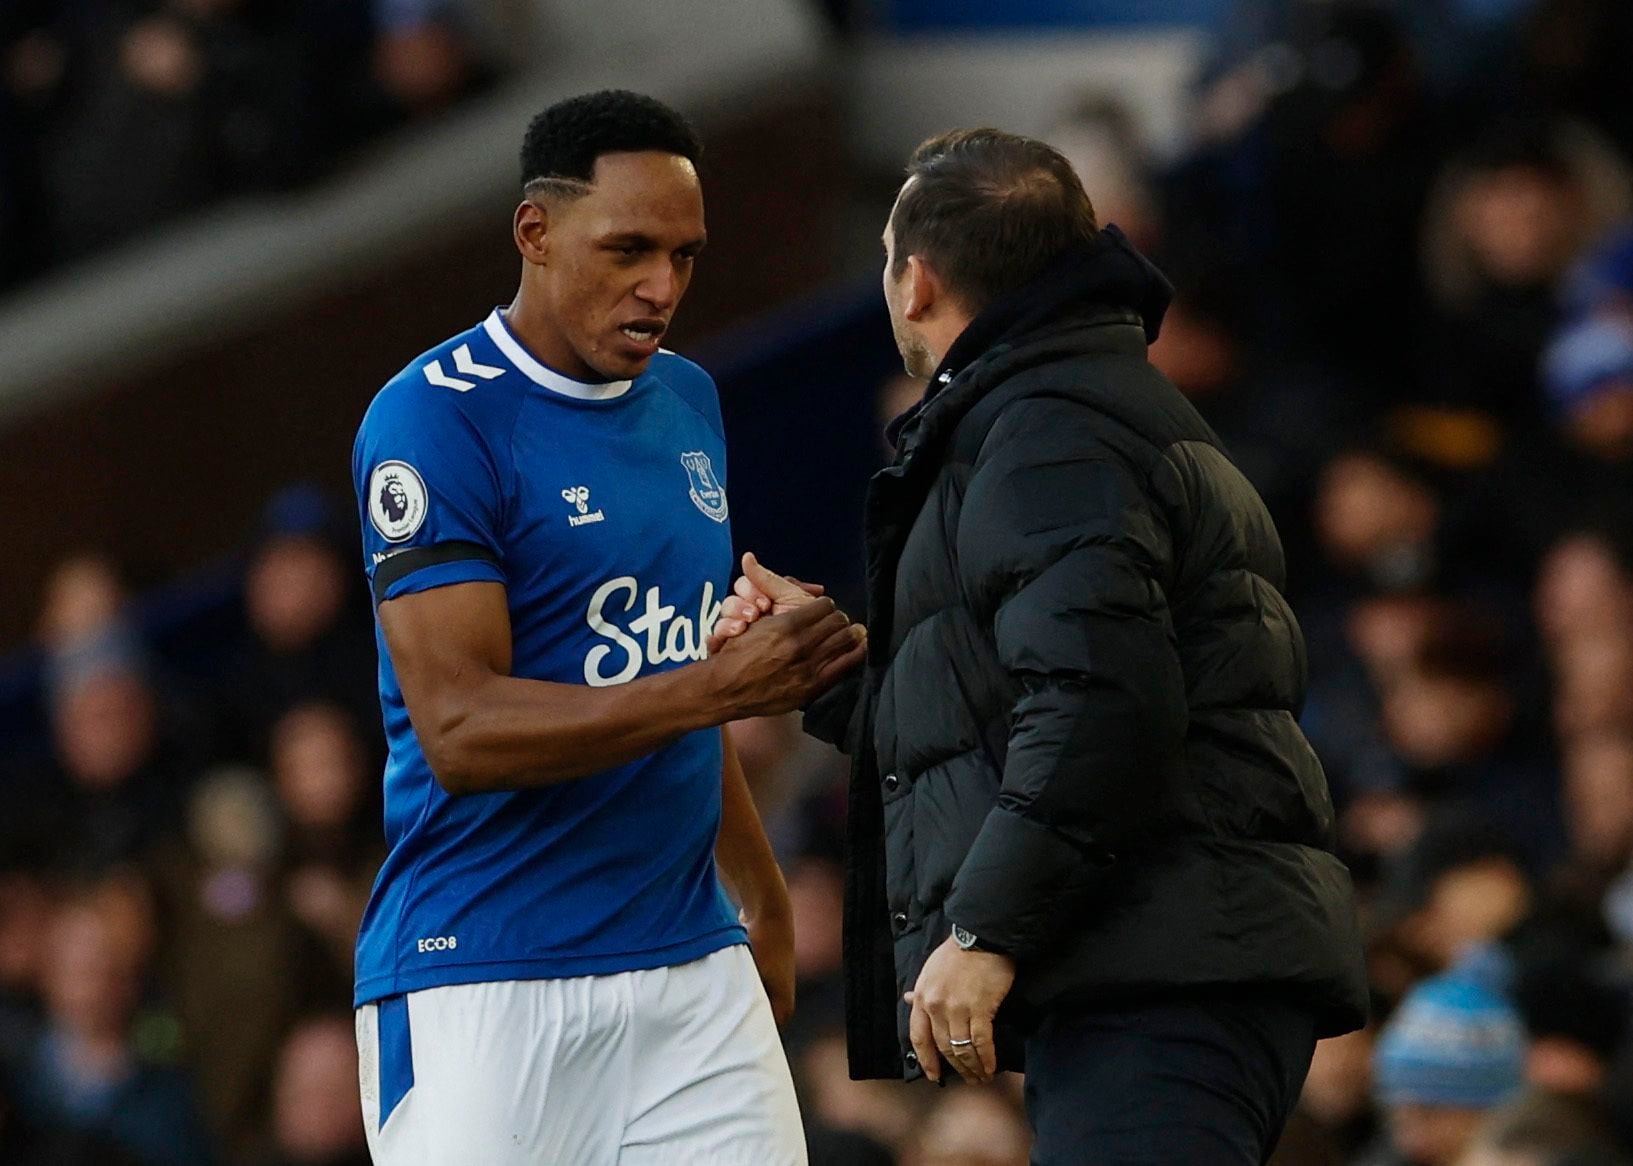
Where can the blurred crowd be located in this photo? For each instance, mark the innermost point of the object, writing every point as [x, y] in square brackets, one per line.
[1403, 252]
[183, 869]
[117, 115]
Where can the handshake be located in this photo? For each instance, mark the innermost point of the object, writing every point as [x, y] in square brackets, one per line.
[780, 643]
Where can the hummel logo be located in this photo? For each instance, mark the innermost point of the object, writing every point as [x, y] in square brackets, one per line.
[578, 497]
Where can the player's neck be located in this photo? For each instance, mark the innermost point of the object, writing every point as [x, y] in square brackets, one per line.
[531, 324]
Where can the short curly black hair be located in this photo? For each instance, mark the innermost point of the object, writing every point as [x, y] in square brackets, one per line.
[563, 142]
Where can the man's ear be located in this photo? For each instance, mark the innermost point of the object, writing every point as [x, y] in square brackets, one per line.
[923, 289]
[531, 230]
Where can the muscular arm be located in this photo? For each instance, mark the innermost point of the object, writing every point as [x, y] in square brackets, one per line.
[750, 871]
[747, 866]
[483, 729]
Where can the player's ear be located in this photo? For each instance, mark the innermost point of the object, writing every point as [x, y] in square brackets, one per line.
[531, 230]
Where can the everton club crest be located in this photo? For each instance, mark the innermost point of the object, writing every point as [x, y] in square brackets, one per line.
[707, 493]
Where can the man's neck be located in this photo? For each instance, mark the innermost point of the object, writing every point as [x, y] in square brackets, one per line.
[940, 336]
[532, 324]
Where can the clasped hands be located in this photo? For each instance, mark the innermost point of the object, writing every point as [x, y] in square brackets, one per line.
[758, 592]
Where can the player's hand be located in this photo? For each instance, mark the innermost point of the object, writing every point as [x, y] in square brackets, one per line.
[956, 998]
[759, 591]
[783, 662]
[771, 940]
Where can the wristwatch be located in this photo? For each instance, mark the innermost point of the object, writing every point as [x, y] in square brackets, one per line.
[966, 939]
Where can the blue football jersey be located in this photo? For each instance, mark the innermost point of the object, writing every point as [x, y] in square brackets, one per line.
[602, 509]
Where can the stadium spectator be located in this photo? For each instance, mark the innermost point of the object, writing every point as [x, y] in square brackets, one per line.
[1584, 586]
[1508, 219]
[1593, 681]
[307, 637]
[331, 854]
[1601, 283]
[816, 891]
[80, 1069]
[1452, 1052]
[1099, 138]
[37, 66]
[1574, 57]
[118, 772]
[316, 1111]
[85, 600]
[25, 915]
[27, 1143]
[1281, 419]
[1598, 793]
[1583, 604]
[1452, 719]
[1575, 1016]
[1357, 647]
[1325, 126]
[1334, 1119]
[971, 1127]
[422, 59]
[1540, 1130]
[1589, 383]
[1377, 520]
[787, 771]
[1457, 888]
[180, 102]
[852, 1115]
[235, 948]
[200, 101]
[1576, 474]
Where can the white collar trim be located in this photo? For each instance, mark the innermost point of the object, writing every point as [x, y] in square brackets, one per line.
[544, 375]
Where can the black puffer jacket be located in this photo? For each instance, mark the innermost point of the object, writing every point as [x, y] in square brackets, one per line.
[1076, 733]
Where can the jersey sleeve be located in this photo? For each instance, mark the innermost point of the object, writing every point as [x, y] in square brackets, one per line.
[430, 494]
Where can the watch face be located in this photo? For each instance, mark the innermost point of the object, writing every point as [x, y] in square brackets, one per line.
[964, 939]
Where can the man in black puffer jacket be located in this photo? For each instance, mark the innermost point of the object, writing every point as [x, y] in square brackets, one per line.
[1086, 831]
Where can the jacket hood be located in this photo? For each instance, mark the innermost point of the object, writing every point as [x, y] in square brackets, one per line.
[1105, 274]
[1108, 273]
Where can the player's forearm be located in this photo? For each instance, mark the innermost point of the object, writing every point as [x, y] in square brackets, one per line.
[508, 733]
[747, 864]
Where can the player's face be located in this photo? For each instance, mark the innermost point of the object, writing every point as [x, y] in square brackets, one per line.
[620, 259]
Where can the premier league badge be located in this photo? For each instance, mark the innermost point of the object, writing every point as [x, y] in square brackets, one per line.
[397, 500]
[707, 493]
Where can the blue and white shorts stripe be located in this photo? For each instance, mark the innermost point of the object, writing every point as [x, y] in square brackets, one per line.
[668, 1065]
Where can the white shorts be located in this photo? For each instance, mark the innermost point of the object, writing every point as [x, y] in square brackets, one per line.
[671, 1065]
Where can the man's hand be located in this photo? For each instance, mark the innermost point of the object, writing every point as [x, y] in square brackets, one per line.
[956, 997]
[759, 591]
[783, 662]
[771, 940]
